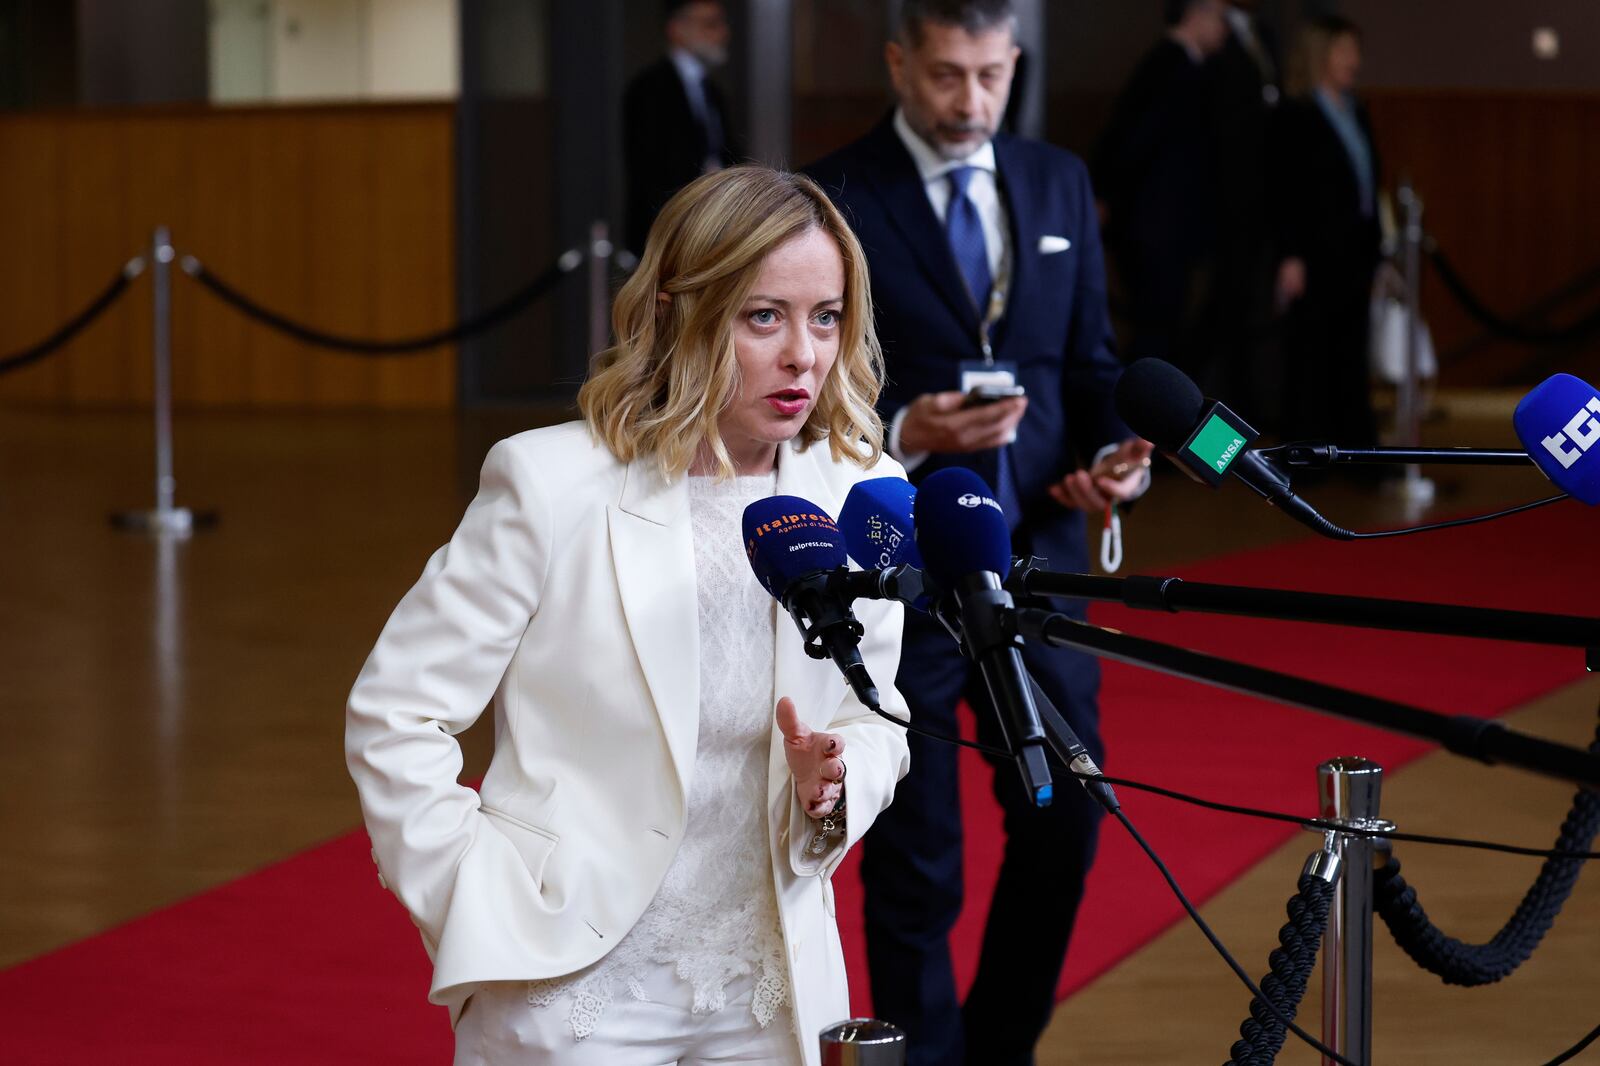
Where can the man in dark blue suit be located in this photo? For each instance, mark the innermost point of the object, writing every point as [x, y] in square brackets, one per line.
[986, 264]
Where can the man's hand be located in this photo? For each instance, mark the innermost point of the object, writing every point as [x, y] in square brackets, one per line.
[936, 422]
[1116, 477]
[815, 761]
[1291, 283]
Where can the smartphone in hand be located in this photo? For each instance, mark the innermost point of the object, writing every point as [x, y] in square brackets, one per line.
[982, 395]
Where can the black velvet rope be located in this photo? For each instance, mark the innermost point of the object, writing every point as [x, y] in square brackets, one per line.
[1459, 963]
[77, 322]
[493, 316]
[1578, 330]
[1290, 966]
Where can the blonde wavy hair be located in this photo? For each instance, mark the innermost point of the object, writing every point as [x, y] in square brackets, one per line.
[661, 389]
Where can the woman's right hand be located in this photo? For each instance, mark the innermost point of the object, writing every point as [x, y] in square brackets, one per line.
[1291, 281]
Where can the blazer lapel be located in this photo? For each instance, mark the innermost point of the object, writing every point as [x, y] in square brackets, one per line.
[815, 687]
[1022, 211]
[652, 552]
[899, 185]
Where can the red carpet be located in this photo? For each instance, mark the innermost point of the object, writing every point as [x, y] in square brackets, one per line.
[309, 961]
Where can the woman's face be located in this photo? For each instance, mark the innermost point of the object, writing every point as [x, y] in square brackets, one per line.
[1344, 62]
[786, 338]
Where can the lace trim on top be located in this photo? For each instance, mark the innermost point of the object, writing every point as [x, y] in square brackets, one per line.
[715, 916]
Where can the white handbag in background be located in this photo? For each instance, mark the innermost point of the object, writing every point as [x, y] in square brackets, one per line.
[1388, 344]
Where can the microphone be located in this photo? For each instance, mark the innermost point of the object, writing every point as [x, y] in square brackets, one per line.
[1559, 423]
[963, 534]
[797, 554]
[1207, 440]
[880, 535]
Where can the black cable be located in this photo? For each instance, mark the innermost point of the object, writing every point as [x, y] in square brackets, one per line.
[1290, 966]
[523, 297]
[933, 734]
[1222, 950]
[1319, 823]
[77, 322]
[1573, 1051]
[1577, 331]
[1454, 522]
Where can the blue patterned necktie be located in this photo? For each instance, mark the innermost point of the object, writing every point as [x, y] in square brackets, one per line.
[964, 229]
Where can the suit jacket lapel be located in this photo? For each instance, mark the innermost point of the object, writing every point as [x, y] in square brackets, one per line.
[815, 687]
[899, 185]
[652, 552]
[1022, 213]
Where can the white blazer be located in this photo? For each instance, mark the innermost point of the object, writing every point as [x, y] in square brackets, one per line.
[567, 598]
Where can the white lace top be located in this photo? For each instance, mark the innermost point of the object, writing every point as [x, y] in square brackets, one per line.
[716, 916]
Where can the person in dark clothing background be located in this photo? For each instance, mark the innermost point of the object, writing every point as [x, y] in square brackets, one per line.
[1325, 187]
[1155, 170]
[1244, 91]
[674, 121]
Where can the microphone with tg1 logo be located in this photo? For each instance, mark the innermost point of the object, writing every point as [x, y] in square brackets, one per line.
[1559, 423]
[797, 554]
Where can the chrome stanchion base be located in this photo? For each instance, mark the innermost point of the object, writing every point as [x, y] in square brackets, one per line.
[169, 522]
[863, 1042]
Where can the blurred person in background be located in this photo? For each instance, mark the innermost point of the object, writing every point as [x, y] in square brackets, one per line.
[674, 120]
[986, 269]
[1156, 172]
[1325, 181]
[1244, 91]
[642, 877]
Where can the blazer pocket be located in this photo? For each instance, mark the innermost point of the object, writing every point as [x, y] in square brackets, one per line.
[533, 844]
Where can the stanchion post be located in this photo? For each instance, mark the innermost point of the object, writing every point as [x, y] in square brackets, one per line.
[600, 249]
[1408, 397]
[1349, 791]
[167, 518]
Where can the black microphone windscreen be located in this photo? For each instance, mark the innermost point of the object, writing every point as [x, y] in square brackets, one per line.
[1159, 402]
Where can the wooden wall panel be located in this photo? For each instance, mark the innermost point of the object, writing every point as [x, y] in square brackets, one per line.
[342, 217]
[1511, 187]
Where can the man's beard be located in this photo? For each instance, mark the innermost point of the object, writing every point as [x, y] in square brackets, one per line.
[712, 55]
[976, 135]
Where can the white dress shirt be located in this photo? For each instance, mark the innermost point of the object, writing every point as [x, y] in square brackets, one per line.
[984, 191]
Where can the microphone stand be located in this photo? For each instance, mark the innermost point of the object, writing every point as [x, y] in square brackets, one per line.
[1173, 594]
[1317, 455]
[1485, 740]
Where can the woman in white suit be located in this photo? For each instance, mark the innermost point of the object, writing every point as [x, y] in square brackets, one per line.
[643, 877]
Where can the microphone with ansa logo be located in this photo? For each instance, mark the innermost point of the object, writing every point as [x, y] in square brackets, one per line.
[1559, 424]
[798, 555]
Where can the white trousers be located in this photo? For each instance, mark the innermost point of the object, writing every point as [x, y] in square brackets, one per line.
[499, 1027]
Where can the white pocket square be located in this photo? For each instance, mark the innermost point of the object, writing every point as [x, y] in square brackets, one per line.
[1050, 244]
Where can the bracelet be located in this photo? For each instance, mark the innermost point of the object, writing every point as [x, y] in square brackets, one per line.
[829, 825]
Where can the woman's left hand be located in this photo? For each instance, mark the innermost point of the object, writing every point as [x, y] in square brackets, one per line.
[815, 761]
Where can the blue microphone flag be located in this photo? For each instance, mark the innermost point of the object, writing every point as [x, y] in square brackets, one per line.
[879, 531]
[961, 529]
[787, 538]
[1559, 425]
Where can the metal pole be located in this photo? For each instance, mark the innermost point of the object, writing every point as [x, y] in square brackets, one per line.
[863, 1042]
[600, 250]
[1408, 398]
[161, 348]
[1348, 791]
[167, 518]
